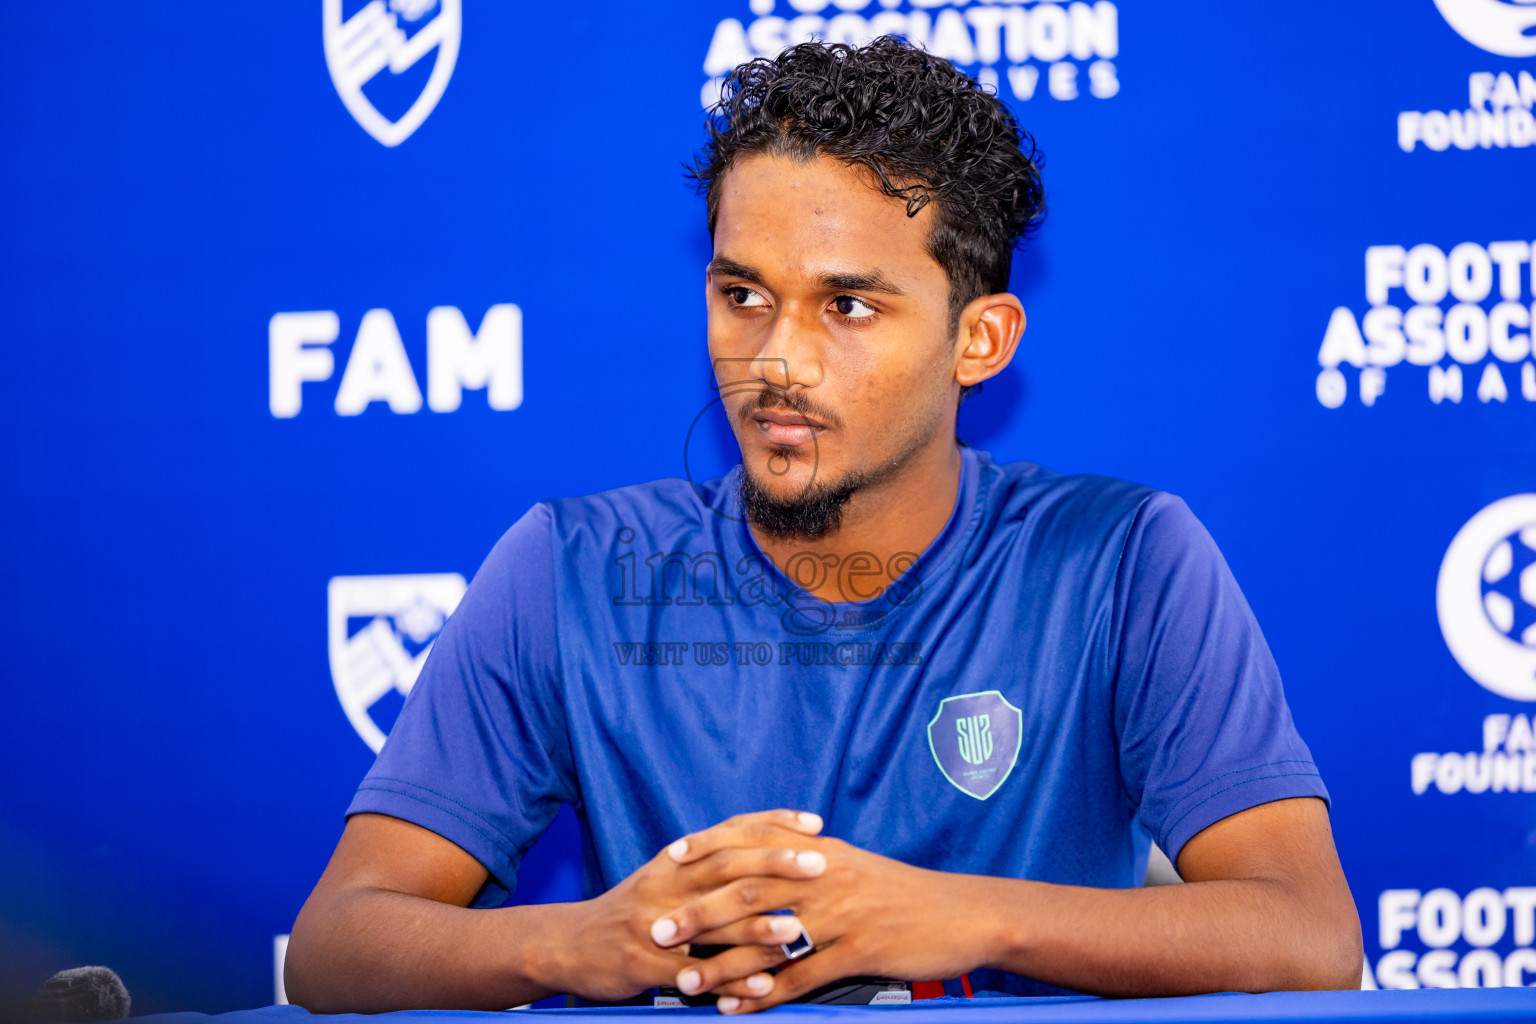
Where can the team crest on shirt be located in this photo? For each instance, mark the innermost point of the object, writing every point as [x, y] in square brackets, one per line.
[975, 740]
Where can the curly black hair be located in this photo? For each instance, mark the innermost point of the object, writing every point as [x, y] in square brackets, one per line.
[925, 130]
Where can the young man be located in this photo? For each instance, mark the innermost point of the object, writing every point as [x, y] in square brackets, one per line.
[931, 704]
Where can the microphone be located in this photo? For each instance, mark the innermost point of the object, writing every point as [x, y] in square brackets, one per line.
[81, 994]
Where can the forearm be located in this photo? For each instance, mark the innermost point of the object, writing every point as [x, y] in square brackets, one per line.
[1246, 935]
[369, 950]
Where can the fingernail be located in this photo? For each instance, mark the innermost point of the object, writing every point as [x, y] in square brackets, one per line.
[688, 981]
[728, 1003]
[663, 930]
[678, 850]
[810, 821]
[785, 927]
[810, 860]
[760, 983]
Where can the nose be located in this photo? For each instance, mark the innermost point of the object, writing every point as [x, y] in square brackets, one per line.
[791, 351]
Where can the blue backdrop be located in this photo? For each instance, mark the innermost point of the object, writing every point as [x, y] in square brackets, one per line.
[1287, 275]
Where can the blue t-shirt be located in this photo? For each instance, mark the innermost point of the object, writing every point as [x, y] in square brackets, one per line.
[1068, 669]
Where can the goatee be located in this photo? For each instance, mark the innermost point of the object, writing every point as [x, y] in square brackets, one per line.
[814, 512]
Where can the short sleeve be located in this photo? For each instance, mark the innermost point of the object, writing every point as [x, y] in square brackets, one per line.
[1204, 729]
[480, 753]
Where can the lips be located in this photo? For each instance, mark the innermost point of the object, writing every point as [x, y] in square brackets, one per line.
[786, 428]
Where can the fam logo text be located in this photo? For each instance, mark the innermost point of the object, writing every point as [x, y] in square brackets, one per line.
[1485, 599]
[458, 359]
[1498, 114]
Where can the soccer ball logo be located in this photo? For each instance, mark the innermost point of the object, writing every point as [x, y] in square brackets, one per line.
[1505, 27]
[1486, 597]
[1509, 586]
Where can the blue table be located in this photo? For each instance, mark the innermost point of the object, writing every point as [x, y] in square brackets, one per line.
[1440, 1006]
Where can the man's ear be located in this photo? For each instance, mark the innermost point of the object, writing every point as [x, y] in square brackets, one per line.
[990, 328]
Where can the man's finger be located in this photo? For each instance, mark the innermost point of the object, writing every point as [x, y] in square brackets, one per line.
[764, 828]
[762, 930]
[754, 986]
[732, 971]
[658, 968]
[794, 980]
[743, 898]
[727, 865]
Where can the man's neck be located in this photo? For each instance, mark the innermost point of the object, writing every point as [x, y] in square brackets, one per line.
[900, 516]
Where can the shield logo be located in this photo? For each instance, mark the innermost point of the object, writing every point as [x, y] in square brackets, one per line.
[975, 741]
[358, 48]
[381, 629]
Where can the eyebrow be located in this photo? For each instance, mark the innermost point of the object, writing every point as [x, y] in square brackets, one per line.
[730, 268]
[868, 281]
[862, 281]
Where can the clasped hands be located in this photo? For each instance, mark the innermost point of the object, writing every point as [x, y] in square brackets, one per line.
[867, 914]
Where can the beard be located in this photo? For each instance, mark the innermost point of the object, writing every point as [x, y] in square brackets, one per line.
[818, 509]
[814, 512]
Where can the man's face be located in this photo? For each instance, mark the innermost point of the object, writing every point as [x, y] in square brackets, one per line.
[828, 327]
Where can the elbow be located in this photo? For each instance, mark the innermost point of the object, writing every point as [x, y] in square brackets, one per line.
[1354, 975]
[1341, 969]
[1333, 954]
[305, 986]
[304, 972]
[298, 982]
[296, 988]
[1313, 944]
[324, 970]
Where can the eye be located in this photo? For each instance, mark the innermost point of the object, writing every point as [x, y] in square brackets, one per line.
[743, 296]
[852, 308]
